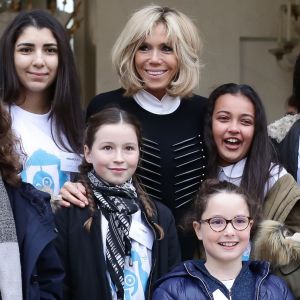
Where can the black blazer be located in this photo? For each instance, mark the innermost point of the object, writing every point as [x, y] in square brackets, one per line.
[82, 252]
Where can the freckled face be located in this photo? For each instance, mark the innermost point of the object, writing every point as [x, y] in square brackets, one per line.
[156, 62]
[233, 123]
[36, 59]
[114, 153]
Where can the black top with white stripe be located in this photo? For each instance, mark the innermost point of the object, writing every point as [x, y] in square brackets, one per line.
[173, 158]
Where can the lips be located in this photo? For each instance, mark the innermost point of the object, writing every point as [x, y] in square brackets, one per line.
[155, 72]
[228, 244]
[118, 169]
[37, 74]
[232, 143]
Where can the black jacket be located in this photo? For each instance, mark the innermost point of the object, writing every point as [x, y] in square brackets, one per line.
[42, 273]
[83, 258]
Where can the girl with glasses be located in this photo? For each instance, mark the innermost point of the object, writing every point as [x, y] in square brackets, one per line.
[223, 218]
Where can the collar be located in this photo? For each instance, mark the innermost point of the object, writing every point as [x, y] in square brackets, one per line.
[166, 105]
[234, 171]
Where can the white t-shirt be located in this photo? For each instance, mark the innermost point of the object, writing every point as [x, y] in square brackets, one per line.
[137, 274]
[45, 166]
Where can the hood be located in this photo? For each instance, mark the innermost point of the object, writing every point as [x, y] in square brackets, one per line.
[279, 129]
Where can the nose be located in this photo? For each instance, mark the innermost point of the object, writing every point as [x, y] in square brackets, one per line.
[234, 127]
[38, 60]
[119, 158]
[155, 56]
[229, 230]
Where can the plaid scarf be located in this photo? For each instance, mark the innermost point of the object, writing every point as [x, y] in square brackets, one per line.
[10, 265]
[117, 203]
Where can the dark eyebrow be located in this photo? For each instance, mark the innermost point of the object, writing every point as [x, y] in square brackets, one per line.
[31, 45]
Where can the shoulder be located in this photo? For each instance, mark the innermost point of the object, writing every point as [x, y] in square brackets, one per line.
[164, 214]
[30, 196]
[178, 284]
[72, 213]
[272, 285]
[277, 286]
[103, 100]
[196, 100]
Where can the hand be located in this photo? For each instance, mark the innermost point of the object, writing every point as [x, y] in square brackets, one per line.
[73, 193]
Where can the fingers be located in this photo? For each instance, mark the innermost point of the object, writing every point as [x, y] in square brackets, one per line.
[74, 193]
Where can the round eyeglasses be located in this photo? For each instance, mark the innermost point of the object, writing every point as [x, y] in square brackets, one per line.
[219, 224]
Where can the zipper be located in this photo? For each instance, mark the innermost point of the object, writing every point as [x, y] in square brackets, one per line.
[260, 283]
[194, 276]
[230, 294]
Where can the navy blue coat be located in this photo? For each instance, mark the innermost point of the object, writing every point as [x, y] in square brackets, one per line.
[189, 281]
[42, 272]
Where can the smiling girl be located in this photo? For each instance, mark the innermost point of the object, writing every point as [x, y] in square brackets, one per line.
[222, 217]
[241, 152]
[39, 84]
[122, 241]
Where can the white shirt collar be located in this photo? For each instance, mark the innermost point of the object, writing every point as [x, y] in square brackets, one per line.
[234, 171]
[147, 101]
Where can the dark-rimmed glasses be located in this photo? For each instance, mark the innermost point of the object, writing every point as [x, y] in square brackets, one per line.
[219, 224]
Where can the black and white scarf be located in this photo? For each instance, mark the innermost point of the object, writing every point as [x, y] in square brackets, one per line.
[10, 266]
[117, 204]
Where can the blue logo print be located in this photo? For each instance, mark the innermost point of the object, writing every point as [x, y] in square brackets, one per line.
[43, 171]
[131, 283]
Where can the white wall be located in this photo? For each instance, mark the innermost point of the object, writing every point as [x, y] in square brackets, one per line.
[236, 33]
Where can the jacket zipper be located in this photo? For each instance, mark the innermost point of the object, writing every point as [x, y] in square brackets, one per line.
[260, 283]
[210, 297]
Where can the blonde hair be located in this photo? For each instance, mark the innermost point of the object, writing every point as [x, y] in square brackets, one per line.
[182, 35]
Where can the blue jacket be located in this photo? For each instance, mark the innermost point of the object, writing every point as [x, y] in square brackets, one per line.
[42, 273]
[191, 281]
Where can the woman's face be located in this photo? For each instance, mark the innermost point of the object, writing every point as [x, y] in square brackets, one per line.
[36, 59]
[227, 245]
[156, 62]
[233, 122]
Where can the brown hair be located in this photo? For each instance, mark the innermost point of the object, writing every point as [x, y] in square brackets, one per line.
[10, 165]
[212, 187]
[113, 115]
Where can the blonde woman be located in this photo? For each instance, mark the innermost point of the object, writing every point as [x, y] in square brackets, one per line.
[157, 57]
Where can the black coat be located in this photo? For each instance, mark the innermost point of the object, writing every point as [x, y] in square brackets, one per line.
[42, 273]
[83, 258]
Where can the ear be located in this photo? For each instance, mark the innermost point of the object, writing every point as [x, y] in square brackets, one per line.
[86, 151]
[197, 228]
